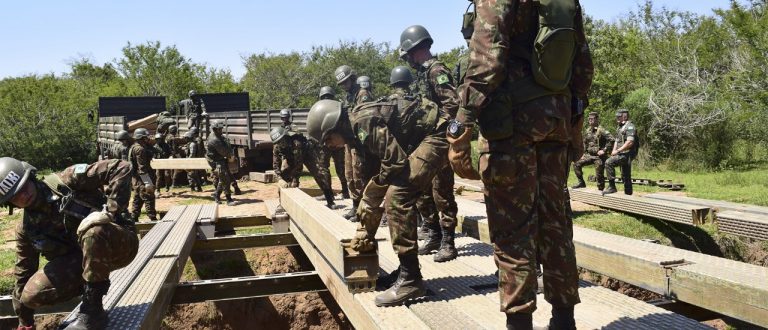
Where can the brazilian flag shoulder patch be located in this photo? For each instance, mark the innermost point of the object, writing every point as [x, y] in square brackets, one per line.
[80, 168]
[443, 79]
[362, 134]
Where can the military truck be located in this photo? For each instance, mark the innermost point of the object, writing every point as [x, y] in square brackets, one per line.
[247, 129]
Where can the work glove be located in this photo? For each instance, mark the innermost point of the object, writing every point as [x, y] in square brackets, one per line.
[364, 240]
[93, 219]
[460, 155]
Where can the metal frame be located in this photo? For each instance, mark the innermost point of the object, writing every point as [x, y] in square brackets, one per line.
[237, 242]
[247, 287]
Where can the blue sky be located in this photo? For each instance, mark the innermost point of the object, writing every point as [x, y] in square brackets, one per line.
[44, 36]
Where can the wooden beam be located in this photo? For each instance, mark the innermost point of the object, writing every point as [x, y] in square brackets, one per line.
[664, 210]
[263, 177]
[180, 164]
[238, 242]
[246, 287]
[6, 307]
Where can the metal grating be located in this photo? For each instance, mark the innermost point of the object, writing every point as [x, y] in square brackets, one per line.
[137, 303]
[179, 235]
[743, 224]
[664, 210]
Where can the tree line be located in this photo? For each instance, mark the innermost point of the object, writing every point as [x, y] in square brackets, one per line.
[694, 84]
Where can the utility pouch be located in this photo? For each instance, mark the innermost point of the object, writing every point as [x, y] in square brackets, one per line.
[496, 120]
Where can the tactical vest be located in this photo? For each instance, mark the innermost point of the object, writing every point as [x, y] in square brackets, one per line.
[66, 199]
[408, 119]
[621, 138]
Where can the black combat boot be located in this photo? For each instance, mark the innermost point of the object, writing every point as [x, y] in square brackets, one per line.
[25, 314]
[351, 215]
[447, 249]
[230, 201]
[329, 199]
[600, 184]
[344, 190]
[611, 187]
[627, 186]
[408, 285]
[580, 184]
[237, 190]
[217, 195]
[519, 321]
[434, 239]
[423, 232]
[91, 315]
[562, 319]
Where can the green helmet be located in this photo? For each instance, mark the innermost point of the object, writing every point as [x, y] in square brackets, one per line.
[217, 124]
[414, 36]
[364, 82]
[322, 118]
[326, 92]
[140, 133]
[192, 93]
[343, 73]
[400, 74]
[122, 135]
[14, 174]
[285, 113]
[277, 134]
[165, 113]
[173, 129]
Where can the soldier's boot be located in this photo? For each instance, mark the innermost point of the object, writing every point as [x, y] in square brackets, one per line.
[25, 314]
[91, 315]
[351, 215]
[151, 211]
[409, 284]
[237, 188]
[580, 183]
[519, 321]
[562, 319]
[344, 190]
[230, 201]
[627, 186]
[423, 232]
[600, 184]
[328, 198]
[386, 281]
[611, 187]
[447, 249]
[217, 195]
[434, 239]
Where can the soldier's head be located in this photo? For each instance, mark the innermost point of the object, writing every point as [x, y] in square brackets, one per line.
[285, 116]
[345, 77]
[415, 44]
[217, 126]
[328, 124]
[326, 93]
[123, 137]
[622, 115]
[191, 133]
[17, 185]
[401, 77]
[278, 134]
[192, 93]
[468, 23]
[141, 135]
[593, 119]
[173, 130]
[364, 82]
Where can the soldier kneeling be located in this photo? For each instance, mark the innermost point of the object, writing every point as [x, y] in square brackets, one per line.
[83, 233]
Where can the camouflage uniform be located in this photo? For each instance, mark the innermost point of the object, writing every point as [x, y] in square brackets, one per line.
[217, 153]
[525, 172]
[163, 150]
[193, 109]
[338, 156]
[72, 261]
[595, 139]
[195, 150]
[626, 132]
[140, 157]
[290, 158]
[177, 145]
[356, 171]
[118, 151]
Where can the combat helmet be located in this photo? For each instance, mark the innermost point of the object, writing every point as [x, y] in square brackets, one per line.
[217, 124]
[400, 74]
[140, 133]
[173, 129]
[326, 92]
[191, 133]
[285, 113]
[343, 73]
[277, 134]
[364, 82]
[192, 93]
[322, 118]
[13, 175]
[413, 36]
[122, 135]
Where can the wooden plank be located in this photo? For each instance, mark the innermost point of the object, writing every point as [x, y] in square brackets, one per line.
[180, 164]
[146, 122]
[664, 210]
[264, 177]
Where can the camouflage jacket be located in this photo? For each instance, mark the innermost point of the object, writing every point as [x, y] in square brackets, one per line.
[460, 71]
[177, 145]
[363, 96]
[596, 139]
[435, 82]
[45, 230]
[189, 107]
[217, 149]
[500, 23]
[290, 152]
[140, 157]
[118, 151]
[193, 149]
[626, 132]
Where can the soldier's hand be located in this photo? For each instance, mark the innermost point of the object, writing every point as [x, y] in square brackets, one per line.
[614, 153]
[600, 152]
[460, 155]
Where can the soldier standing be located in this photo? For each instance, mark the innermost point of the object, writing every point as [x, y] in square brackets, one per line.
[347, 79]
[71, 222]
[597, 141]
[144, 178]
[526, 107]
[194, 150]
[326, 93]
[177, 145]
[365, 84]
[120, 150]
[193, 108]
[162, 150]
[292, 151]
[218, 151]
[623, 152]
[436, 84]
[376, 130]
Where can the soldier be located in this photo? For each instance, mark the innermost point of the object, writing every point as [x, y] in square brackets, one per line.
[177, 145]
[527, 106]
[326, 93]
[120, 150]
[164, 121]
[77, 228]
[162, 150]
[364, 82]
[623, 152]
[596, 143]
[218, 151]
[435, 82]
[291, 152]
[347, 78]
[193, 108]
[194, 150]
[144, 178]
[285, 118]
[377, 131]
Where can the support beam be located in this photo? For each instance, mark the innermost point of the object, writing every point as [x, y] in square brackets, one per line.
[247, 287]
[654, 208]
[6, 307]
[222, 223]
[238, 242]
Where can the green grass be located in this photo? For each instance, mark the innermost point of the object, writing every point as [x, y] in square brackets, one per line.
[254, 230]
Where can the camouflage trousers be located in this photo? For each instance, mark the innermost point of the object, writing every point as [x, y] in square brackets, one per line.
[140, 198]
[164, 179]
[222, 178]
[587, 159]
[357, 173]
[625, 162]
[104, 248]
[339, 161]
[523, 177]
[438, 202]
